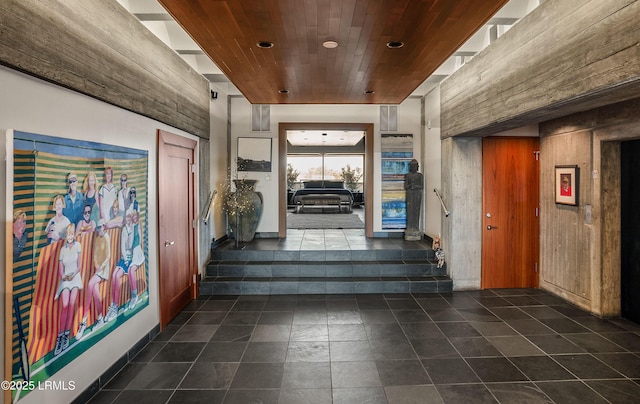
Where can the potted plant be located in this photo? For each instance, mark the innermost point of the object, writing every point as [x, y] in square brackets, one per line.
[243, 207]
[292, 176]
[351, 177]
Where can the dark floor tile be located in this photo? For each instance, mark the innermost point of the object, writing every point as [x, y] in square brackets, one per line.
[529, 327]
[492, 328]
[403, 304]
[197, 397]
[585, 366]
[347, 332]
[222, 352]
[377, 317]
[571, 392]
[209, 375]
[194, 333]
[372, 303]
[402, 373]
[262, 396]
[458, 329]
[617, 391]
[521, 393]
[306, 396]
[570, 311]
[179, 352]
[563, 325]
[302, 351]
[354, 374]
[167, 333]
[124, 376]
[149, 351]
[369, 395]
[143, 396]
[440, 315]
[539, 368]
[431, 348]
[411, 316]
[265, 352]
[249, 305]
[495, 370]
[385, 331]
[306, 375]
[309, 332]
[465, 393]
[412, 395]
[474, 347]
[522, 300]
[270, 333]
[542, 312]
[181, 318]
[233, 333]
[628, 340]
[310, 316]
[450, 371]
[515, 345]
[555, 344]
[104, 397]
[391, 349]
[493, 301]
[594, 343]
[349, 351]
[344, 317]
[207, 318]
[241, 318]
[158, 375]
[627, 364]
[478, 314]
[258, 376]
[421, 330]
[461, 300]
[510, 313]
[599, 325]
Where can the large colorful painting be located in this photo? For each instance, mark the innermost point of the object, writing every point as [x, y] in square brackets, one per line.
[80, 257]
[396, 153]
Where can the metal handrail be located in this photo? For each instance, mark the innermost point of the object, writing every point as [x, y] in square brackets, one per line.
[444, 208]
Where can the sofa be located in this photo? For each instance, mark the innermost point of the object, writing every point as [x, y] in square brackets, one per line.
[322, 194]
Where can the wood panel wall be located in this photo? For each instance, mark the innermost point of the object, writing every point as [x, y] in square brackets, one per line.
[564, 57]
[97, 48]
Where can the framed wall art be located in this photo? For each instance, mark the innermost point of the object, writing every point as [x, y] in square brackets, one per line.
[254, 154]
[566, 185]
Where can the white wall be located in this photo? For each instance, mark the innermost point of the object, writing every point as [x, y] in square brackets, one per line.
[31, 105]
[218, 156]
[408, 122]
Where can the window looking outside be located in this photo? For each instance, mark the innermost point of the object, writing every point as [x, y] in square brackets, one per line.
[331, 167]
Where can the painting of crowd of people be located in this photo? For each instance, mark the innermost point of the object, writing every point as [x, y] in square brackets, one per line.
[79, 247]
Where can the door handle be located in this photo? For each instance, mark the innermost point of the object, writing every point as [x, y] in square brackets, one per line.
[168, 243]
[489, 227]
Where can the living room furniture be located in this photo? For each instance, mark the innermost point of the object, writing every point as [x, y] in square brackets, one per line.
[323, 194]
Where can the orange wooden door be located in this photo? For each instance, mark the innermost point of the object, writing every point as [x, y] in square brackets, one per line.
[510, 222]
[176, 212]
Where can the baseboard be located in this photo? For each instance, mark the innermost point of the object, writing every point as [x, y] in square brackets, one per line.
[113, 370]
[217, 242]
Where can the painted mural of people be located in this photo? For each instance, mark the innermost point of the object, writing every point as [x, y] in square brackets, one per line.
[107, 194]
[69, 286]
[114, 219]
[57, 226]
[73, 200]
[124, 266]
[19, 233]
[86, 225]
[133, 203]
[101, 260]
[91, 194]
[137, 260]
[123, 195]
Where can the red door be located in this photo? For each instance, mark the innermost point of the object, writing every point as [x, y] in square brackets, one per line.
[510, 202]
[176, 212]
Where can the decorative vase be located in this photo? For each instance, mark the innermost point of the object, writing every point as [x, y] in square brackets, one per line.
[244, 209]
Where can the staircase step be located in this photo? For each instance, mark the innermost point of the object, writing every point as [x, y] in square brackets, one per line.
[253, 285]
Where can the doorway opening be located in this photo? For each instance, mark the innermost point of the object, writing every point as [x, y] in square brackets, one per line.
[630, 229]
[325, 174]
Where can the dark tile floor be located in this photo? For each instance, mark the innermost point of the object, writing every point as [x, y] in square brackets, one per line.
[506, 346]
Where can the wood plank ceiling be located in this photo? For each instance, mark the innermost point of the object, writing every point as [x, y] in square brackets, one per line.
[362, 69]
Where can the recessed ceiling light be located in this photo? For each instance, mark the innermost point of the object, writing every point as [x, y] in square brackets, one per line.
[265, 44]
[395, 45]
[330, 44]
[369, 92]
[283, 91]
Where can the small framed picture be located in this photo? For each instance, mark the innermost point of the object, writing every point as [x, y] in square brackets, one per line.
[254, 154]
[567, 183]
